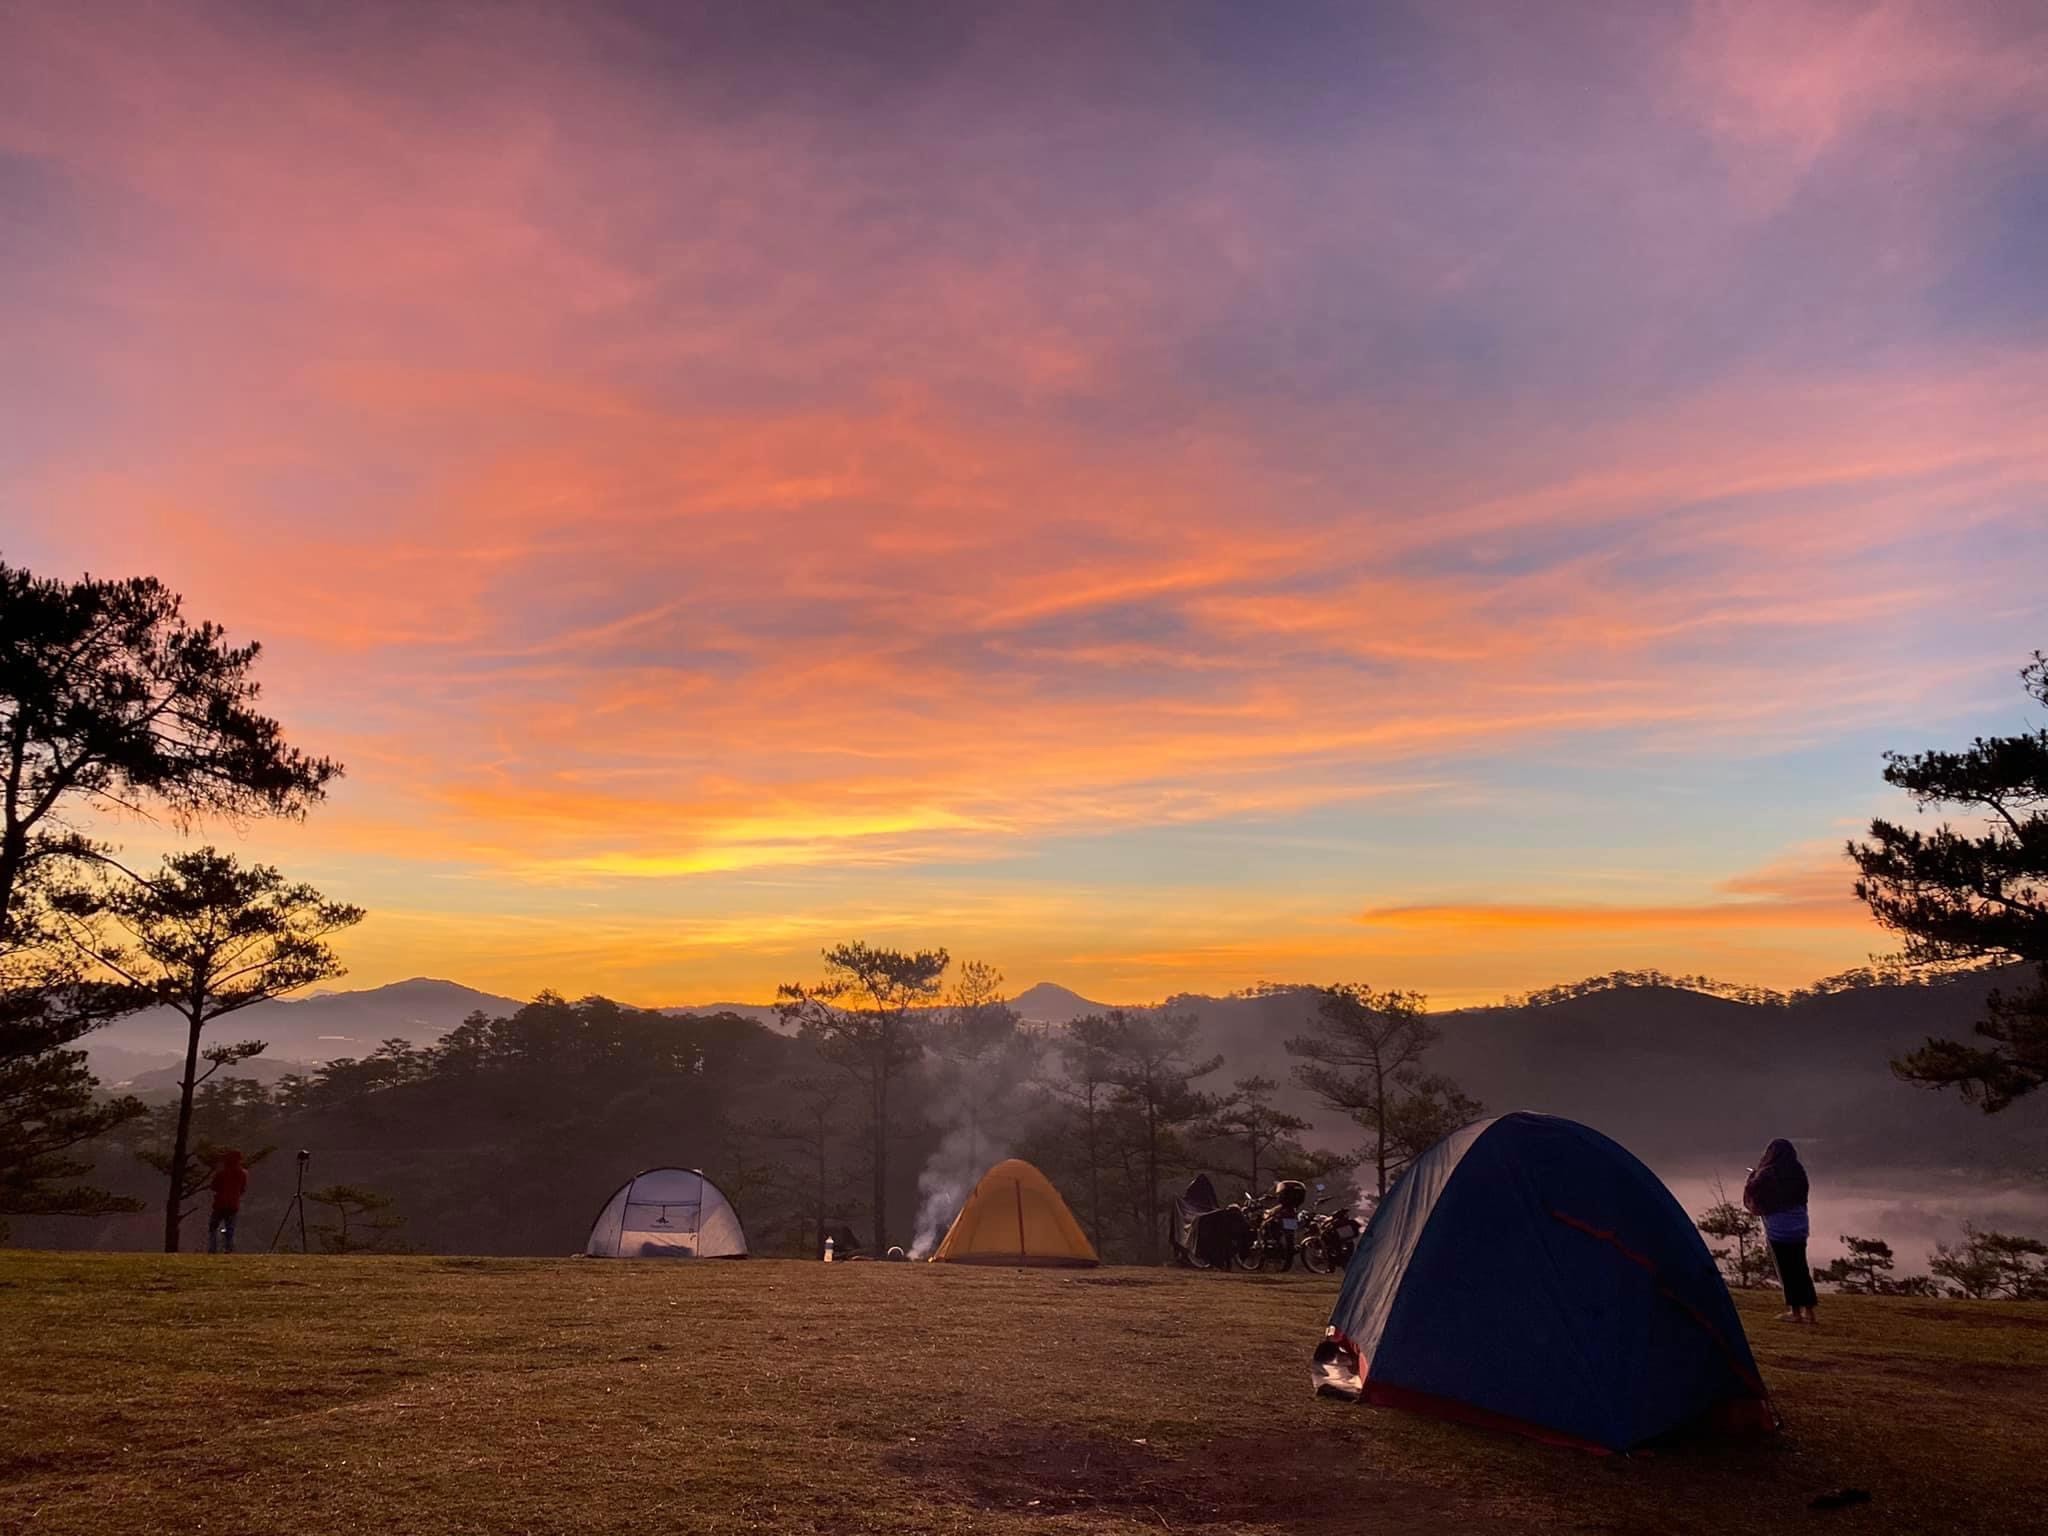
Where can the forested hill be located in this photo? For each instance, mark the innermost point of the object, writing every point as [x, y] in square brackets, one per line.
[324, 1027]
[1687, 1077]
[503, 1133]
[1671, 1069]
[308, 1029]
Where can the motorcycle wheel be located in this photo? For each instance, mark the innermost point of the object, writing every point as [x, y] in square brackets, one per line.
[1251, 1258]
[1313, 1259]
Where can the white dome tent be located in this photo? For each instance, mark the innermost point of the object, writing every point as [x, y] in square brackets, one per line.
[667, 1213]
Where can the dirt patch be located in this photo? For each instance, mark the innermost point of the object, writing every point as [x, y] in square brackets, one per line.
[1966, 1375]
[1030, 1470]
[2001, 1318]
[1116, 1280]
[1049, 1473]
[1818, 1367]
[61, 1460]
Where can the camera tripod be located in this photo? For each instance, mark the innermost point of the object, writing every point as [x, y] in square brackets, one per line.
[298, 1203]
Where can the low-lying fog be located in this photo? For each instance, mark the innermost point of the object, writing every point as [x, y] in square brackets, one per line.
[1910, 1209]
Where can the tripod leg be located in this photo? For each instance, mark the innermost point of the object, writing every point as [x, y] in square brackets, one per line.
[286, 1217]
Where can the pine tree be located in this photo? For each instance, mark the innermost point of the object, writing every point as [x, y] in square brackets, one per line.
[1865, 1270]
[205, 936]
[860, 1019]
[1250, 1119]
[110, 700]
[1364, 1057]
[361, 1220]
[1974, 897]
[1748, 1265]
[1993, 1264]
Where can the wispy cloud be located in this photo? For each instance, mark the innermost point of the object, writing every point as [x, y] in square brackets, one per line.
[659, 460]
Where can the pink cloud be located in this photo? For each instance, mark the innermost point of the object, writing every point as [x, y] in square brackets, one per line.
[636, 492]
[1782, 84]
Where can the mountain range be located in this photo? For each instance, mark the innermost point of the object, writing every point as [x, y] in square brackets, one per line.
[330, 1024]
[1690, 1080]
[303, 1032]
[310, 1029]
[1680, 1075]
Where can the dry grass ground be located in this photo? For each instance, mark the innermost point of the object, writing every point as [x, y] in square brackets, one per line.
[310, 1395]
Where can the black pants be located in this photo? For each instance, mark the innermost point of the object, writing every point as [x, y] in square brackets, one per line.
[1794, 1275]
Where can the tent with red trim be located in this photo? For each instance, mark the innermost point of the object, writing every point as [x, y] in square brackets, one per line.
[1529, 1274]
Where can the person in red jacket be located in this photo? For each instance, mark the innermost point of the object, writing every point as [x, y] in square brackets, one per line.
[230, 1180]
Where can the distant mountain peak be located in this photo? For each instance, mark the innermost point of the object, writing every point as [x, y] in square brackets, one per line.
[419, 1009]
[1047, 1002]
[420, 990]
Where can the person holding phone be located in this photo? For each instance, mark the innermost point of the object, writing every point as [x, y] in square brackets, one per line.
[1777, 1191]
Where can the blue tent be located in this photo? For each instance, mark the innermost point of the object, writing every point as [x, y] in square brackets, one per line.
[1530, 1274]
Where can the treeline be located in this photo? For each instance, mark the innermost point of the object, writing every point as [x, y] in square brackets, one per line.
[1856, 979]
[508, 1134]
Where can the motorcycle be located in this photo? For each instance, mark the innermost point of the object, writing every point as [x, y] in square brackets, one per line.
[1330, 1239]
[1274, 1225]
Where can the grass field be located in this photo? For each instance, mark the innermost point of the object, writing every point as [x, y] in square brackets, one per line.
[288, 1395]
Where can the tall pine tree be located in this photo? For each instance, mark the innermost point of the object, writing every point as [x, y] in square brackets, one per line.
[1363, 1056]
[1974, 896]
[110, 700]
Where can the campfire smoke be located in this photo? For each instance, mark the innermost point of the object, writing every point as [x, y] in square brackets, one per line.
[982, 1064]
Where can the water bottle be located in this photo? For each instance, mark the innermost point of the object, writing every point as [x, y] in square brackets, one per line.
[829, 1246]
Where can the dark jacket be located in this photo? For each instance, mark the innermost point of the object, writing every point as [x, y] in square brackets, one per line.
[1777, 1183]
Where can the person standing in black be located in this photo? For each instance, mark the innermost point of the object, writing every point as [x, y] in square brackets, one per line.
[1777, 1191]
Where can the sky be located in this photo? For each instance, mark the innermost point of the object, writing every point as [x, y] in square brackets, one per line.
[1155, 497]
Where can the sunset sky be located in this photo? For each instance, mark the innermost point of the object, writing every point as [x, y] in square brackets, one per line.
[1152, 496]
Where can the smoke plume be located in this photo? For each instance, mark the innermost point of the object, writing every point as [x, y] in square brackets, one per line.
[981, 1074]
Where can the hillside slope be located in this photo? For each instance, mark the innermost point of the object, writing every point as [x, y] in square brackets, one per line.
[317, 1028]
[1682, 1077]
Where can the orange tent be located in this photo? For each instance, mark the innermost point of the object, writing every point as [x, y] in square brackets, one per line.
[1015, 1216]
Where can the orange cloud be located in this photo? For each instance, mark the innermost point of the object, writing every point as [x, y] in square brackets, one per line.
[646, 496]
[1807, 888]
[1611, 919]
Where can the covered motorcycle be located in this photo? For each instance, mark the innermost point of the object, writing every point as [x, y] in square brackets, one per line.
[1205, 1233]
